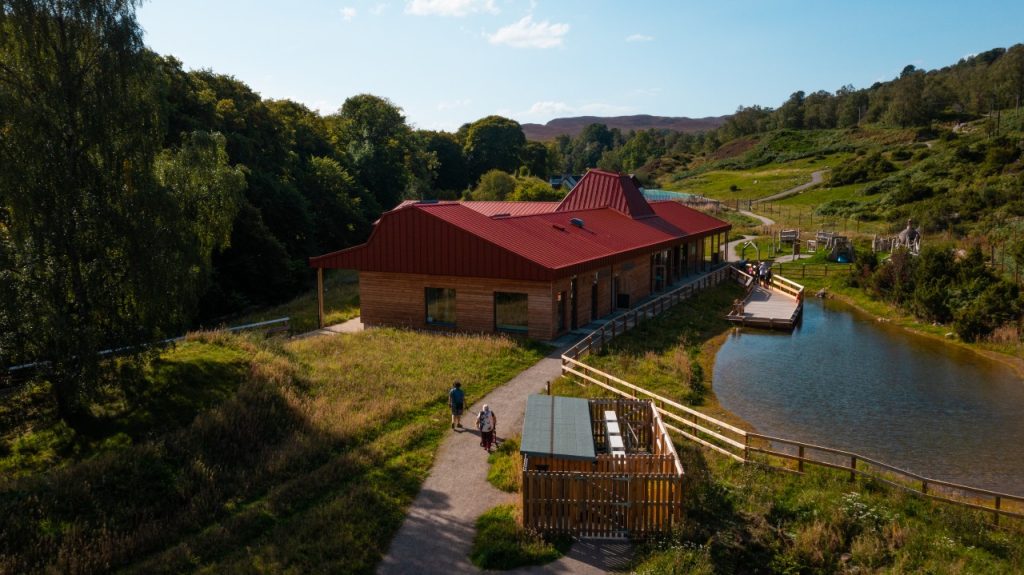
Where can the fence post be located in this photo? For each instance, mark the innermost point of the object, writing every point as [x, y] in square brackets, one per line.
[998, 500]
[924, 487]
[549, 387]
[746, 448]
[800, 462]
[853, 467]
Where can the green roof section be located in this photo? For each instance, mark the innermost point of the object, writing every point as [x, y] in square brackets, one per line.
[559, 427]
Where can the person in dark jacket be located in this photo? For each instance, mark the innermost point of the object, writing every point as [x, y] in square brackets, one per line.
[457, 403]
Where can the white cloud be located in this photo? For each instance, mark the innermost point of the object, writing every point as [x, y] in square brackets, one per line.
[457, 8]
[639, 38]
[379, 9]
[551, 109]
[348, 13]
[453, 104]
[529, 34]
[548, 109]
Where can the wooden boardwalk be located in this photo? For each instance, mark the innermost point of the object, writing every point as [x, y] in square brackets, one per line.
[777, 306]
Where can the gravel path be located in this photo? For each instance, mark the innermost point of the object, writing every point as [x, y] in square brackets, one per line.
[438, 531]
[816, 178]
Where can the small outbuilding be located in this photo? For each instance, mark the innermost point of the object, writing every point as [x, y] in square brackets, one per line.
[599, 468]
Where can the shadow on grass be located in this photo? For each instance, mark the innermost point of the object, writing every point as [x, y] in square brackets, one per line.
[254, 482]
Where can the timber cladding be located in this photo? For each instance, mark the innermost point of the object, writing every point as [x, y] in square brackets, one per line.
[398, 299]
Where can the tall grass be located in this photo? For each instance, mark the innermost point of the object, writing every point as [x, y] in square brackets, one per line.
[306, 467]
[667, 355]
[341, 303]
[501, 542]
[749, 519]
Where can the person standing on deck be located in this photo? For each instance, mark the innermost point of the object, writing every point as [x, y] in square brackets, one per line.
[456, 402]
[487, 423]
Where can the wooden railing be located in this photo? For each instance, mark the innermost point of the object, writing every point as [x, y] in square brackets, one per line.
[796, 269]
[16, 376]
[749, 447]
[647, 310]
[701, 428]
[804, 453]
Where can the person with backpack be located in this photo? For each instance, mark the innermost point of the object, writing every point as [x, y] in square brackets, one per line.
[487, 423]
[456, 402]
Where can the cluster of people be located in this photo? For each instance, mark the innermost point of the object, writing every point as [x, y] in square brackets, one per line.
[486, 421]
[761, 272]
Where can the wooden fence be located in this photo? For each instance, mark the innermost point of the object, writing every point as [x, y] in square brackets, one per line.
[602, 504]
[775, 452]
[616, 496]
[799, 270]
[16, 376]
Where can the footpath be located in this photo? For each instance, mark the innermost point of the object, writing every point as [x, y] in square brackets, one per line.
[439, 527]
[438, 531]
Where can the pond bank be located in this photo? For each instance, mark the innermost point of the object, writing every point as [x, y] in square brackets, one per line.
[844, 380]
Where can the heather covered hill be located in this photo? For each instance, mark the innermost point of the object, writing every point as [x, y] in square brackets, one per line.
[573, 126]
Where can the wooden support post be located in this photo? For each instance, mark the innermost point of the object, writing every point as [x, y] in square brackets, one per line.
[998, 501]
[746, 448]
[549, 386]
[320, 297]
[853, 467]
[800, 462]
[924, 487]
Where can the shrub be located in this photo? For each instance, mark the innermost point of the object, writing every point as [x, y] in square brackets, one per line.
[501, 543]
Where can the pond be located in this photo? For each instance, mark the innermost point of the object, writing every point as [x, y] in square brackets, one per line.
[844, 380]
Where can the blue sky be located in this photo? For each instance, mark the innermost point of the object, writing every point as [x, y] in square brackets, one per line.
[447, 62]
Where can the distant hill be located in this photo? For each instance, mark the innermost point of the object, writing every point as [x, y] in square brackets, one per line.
[573, 126]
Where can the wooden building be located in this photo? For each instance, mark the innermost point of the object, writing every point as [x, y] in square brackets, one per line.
[599, 468]
[534, 268]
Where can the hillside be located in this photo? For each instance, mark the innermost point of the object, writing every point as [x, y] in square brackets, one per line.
[573, 126]
[237, 454]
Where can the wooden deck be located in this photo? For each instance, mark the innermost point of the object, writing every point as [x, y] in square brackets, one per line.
[777, 306]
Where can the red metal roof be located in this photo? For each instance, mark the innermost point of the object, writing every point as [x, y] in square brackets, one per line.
[489, 208]
[534, 242]
[599, 189]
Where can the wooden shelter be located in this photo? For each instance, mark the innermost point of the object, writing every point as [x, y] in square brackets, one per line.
[599, 468]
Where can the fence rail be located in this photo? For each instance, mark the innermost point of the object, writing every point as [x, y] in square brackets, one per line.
[796, 269]
[15, 376]
[774, 452]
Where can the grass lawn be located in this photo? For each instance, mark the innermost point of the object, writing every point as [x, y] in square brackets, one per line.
[302, 457]
[754, 183]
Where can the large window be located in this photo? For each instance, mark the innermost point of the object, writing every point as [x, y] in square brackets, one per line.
[510, 311]
[440, 306]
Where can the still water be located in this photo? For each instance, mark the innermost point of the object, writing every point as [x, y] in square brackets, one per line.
[844, 380]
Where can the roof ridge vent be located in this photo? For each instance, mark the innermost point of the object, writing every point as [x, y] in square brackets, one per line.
[577, 222]
[502, 215]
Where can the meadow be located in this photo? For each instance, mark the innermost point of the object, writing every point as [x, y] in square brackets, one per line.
[301, 456]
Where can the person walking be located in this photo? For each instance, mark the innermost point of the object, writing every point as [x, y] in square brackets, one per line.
[487, 423]
[456, 402]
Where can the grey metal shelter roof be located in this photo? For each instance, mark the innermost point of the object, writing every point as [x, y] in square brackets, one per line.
[559, 427]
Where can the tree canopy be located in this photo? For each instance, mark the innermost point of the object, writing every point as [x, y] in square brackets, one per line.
[107, 238]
